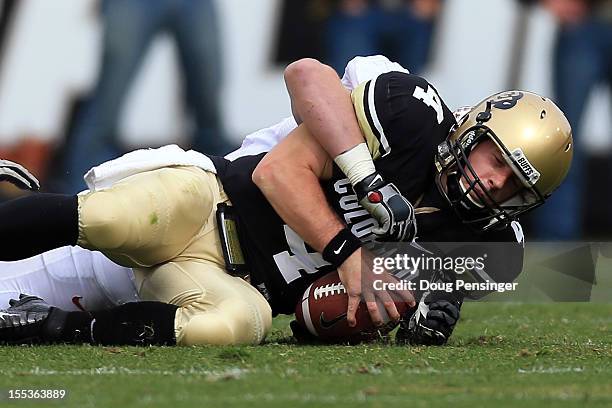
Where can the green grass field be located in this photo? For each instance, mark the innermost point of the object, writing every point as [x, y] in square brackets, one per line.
[557, 355]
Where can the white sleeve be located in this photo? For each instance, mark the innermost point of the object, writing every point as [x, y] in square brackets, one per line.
[263, 140]
[361, 69]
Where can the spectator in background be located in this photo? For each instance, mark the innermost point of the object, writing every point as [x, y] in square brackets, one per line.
[582, 59]
[400, 29]
[129, 28]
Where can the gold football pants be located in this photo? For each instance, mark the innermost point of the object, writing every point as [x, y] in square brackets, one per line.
[162, 224]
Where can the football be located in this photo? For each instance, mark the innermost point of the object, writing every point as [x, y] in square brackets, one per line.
[322, 312]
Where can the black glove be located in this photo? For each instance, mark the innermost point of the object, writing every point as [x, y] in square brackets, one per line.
[431, 324]
[394, 213]
[18, 175]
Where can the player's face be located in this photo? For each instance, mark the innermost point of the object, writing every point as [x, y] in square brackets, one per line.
[495, 174]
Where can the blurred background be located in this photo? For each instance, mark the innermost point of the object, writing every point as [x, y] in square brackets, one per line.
[82, 81]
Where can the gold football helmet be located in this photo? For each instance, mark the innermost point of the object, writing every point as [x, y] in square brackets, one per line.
[535, 139]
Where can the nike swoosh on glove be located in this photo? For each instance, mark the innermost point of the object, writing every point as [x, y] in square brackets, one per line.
[18, 175]
[394, 213]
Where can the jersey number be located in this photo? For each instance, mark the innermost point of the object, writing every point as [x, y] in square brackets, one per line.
[291, 262]
[431, 99]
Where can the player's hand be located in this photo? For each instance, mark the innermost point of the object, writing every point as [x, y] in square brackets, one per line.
[394, 213]
[431, 324]
[358, 279]
[18, 175]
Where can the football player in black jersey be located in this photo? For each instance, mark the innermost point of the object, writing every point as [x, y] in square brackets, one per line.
[386, 162]
[519, 146]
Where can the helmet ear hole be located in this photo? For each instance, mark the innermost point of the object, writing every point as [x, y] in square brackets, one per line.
[543, 114]
[568, 147]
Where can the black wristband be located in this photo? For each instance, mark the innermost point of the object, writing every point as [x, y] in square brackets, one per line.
[341, 247]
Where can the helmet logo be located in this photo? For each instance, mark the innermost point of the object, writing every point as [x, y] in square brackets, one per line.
[530, 174]
[507, 100]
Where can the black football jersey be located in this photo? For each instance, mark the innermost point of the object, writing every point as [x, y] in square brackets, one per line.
[403, 119]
